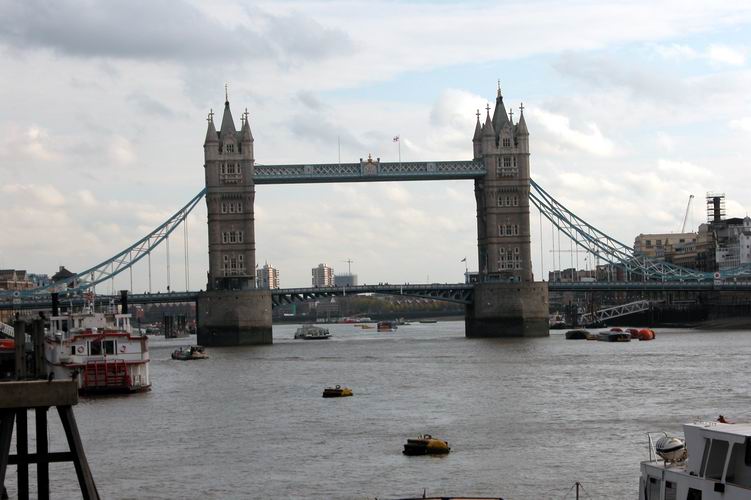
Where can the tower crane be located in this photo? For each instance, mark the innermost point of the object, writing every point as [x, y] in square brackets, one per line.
[685, 217]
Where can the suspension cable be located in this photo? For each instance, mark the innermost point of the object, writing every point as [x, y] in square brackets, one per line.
[185, 252]
[149, 258]
[169, 281]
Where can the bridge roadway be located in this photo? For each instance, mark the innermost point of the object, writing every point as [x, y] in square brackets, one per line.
[460, 293]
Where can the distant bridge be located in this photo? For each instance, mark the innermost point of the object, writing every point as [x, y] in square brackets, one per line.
[459, 293]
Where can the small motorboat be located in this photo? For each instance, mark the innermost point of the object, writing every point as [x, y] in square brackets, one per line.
[426, 445]
[337, 392]
[190, 353]
[577, 335]
[646, 334]
[312, 332]
[386, 326]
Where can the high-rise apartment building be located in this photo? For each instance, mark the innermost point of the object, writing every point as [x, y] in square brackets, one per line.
[323, 276]
[267, 277]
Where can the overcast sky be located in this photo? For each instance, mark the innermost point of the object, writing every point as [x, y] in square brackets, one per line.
[631, 106]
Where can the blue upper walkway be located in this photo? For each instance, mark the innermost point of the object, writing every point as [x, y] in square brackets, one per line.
[368, 171]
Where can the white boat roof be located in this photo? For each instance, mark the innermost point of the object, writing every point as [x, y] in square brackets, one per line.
[737, 429]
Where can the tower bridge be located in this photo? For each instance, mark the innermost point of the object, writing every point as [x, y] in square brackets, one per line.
[505, 300]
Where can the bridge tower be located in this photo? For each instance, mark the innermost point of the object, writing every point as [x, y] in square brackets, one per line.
[508, 303]
[231, 311]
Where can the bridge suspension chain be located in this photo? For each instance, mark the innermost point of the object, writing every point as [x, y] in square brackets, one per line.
[603, 246]
[113, 266]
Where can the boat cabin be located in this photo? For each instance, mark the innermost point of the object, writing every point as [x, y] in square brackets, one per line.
[718, 466]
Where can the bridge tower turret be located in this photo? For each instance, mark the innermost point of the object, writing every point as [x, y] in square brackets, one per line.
[503, 200]
[231, 311]
[230, 196]
[507, 301]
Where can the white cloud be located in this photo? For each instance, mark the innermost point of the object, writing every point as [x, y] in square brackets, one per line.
[743, 124]
[590, 140]
[121, 151]
[714, 53]
[676, 51]
[665, 141]
[726, 55]
[683, 170]
[43, 194]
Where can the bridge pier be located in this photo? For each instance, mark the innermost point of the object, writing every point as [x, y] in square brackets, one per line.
[234, 317]
[508, 310]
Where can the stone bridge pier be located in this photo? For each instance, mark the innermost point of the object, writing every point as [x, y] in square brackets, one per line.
[508, 310]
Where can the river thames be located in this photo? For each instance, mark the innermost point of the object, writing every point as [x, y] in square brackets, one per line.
[525, 418]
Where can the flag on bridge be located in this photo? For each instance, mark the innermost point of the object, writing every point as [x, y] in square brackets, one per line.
[396, 138]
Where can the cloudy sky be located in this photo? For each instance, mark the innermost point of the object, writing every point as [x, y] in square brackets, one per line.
[631, 105]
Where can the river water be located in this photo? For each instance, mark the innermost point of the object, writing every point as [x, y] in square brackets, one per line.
[525, 418]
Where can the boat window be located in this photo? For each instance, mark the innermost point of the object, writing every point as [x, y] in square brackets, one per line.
[109, 347]
[704, 457]
[748, 451]
[95, 348]
[72, 350]
[670, 490]
[653, 488]
[693, 494]
[716, 462]
[738, 471]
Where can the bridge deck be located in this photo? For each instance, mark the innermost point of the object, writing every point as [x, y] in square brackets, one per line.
[366, 171]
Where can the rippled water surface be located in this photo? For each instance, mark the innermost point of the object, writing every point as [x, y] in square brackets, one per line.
[525, 417]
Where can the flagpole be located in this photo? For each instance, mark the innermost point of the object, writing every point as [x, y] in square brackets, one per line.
[400, 150]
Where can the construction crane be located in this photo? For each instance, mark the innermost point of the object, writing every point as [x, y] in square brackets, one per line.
[685, 217]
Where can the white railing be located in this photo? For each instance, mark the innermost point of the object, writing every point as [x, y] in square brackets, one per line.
[616, 311]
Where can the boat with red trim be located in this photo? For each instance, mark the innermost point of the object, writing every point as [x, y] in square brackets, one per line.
[99, 349]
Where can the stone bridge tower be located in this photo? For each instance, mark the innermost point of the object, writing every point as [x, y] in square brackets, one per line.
[231, 311]
[507, 300]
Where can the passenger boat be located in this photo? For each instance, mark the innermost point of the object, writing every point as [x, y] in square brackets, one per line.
[556, 322]
[312, 332]
[426, 445]
[713, 463]
[99, 349]
[386, 326]
[190, 353]
[337, 392]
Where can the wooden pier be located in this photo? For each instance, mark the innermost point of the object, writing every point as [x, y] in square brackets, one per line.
[16, 399]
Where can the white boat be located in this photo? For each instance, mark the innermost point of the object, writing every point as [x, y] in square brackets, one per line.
[99, 349]
[312, 332]
[713, 463]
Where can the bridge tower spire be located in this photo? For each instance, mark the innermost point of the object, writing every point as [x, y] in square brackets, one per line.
[503, 234]
[229, 165]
